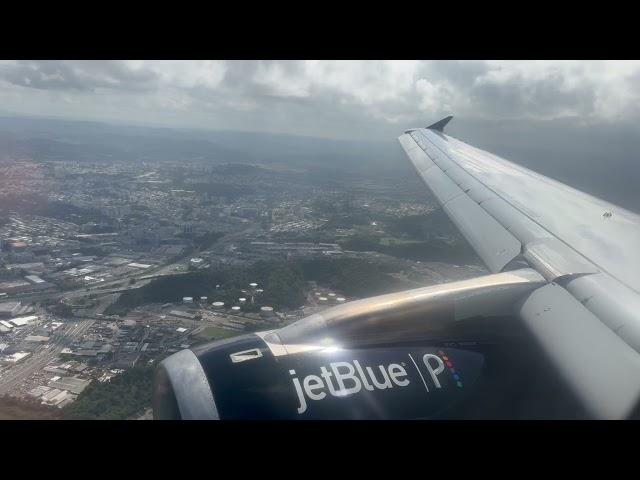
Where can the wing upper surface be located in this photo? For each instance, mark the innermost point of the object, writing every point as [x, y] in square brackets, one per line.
[603, 233]
[586, 246]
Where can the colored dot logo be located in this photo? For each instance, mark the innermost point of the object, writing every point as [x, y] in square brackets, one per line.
[449, 364]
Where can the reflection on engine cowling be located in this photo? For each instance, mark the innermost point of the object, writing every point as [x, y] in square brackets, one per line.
[246, 380]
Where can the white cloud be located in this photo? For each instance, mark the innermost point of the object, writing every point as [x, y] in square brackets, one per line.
[335, 98]
[363, 82]
[281, 83]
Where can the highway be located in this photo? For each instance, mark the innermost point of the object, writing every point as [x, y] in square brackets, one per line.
[45, 354]
[42, 355]
[122, 283]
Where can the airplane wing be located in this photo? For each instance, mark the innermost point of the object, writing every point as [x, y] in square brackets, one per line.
[587, 315]
[564, 270]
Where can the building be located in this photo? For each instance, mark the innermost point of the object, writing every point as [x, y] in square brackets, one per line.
[36, 280]
[142, 266]
[36, 339]
[22, 321]
[127, 324]
[72, 384]
[9, 309]
[14, 358]
[15, 286]
[128, 360]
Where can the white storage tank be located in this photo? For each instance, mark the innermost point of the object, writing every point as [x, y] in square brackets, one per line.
[266, 312]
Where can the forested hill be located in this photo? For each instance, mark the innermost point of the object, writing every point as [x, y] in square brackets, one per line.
[284, 283]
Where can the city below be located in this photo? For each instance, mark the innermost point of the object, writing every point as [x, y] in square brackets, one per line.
[108, 264]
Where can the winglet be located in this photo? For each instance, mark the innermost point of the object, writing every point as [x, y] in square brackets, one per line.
[439, 125]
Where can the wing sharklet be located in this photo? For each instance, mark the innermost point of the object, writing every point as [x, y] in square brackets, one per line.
[440, 124]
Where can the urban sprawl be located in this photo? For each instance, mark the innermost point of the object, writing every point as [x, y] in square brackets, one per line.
[77, 236]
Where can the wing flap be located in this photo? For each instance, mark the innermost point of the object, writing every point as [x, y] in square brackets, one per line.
[491, 241]
[493, 244]
[522, 227]
[440, 185]
[553, 259]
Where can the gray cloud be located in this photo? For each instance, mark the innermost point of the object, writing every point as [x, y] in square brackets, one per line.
[75, 75]
[541, 98]
[576, 121]
[369, 99]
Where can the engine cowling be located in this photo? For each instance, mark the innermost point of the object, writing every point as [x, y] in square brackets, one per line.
[394, 356]
[242, 379]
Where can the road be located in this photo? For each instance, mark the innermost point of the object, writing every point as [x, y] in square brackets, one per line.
[45, 354]
[142, 277]
[42, 356]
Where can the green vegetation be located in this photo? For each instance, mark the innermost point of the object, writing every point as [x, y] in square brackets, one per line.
[227, 190]
[347, 221]
[71, 213]
[61, 309]
[282, 283]
[118, 399]
[12, 408]
[206, 240]
[421, 226]
[427, 250]
[353, 276]
[410, 237]
[95, 251]
[324, 206]
[391, 241]
[215, 333]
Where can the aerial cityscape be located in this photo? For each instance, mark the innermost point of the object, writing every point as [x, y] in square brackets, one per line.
[114, 255]
[319, 239]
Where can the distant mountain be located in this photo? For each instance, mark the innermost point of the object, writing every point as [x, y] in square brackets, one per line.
[47, 140]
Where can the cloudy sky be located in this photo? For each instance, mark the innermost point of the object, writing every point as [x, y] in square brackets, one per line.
[576, 121]
[338, 99]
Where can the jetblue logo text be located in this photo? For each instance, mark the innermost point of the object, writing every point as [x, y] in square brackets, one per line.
[341, 379]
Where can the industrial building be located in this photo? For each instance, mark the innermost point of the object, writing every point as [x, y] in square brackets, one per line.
[9, 309]
[72, 384]
[22, 321]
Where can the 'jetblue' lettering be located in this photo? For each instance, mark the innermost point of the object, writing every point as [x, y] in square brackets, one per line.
[341, 379]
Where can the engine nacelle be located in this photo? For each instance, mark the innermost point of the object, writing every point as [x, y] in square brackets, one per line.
[377, 358]
[242, 378]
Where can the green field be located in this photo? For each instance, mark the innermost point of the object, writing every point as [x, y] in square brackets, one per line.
[390, 241]
[216, 333]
